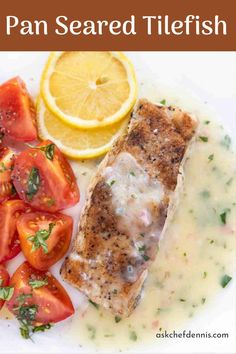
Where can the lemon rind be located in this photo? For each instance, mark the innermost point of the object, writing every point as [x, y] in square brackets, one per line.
[76, 121]
[70, 152]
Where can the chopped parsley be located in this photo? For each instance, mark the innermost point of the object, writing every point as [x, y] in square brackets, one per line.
[94, 304]
[41, 328]
[182, 300]
[228, 183]
[50, 202]
[132, 173]
[145, 257]
[111, 183]
[3, 167]
[22, 297]
[163, 102]
[47, 149]
[207, 122]
[92, 331]
[203, 138]
[203, 300]
[40, 238]
[225, 280]
[26, 316]
[226, 141]
[33, 183]
[6, 293]
[211, 157]
[35, 284]
[204, 275]
[223, 216]
[142, 248]
[133, 336]
[142, 234]
[205, 194]
[117, 319]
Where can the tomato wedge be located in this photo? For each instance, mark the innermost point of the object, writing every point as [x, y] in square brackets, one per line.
[10, 211]
[17, 111]
[6, 165]
[44, 238]
[38, 297]
[4, 281]
[44, 179]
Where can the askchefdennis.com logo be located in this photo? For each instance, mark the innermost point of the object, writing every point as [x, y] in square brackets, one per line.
[189, 334]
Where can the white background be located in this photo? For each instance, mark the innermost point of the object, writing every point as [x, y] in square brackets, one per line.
[201, 82]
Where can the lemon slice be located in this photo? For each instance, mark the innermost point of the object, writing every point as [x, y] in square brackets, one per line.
[89, 89]
[74, 142]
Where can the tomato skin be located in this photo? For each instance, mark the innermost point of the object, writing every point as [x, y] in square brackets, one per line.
[57, 243]
[10, 211]
[57, 188]
[52, 300]
[4, 279]
[17, 111]
[6, 165]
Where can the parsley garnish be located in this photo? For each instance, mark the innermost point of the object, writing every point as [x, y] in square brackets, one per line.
[207, 122]
[204, 275]
[228, 183]
[132, 173]
[92, 331]
[225, 280]
[163, 102]
[117, 319]
[35, 284]
[33, 183]
[26, 316]
[211, 157]
[40, 237]
[203, 300]
[182, 300]
[111, 183]
[203, 138]
[21, 299]
[142, 249]
[226, 142]
[145, 257]
[50, 202]
[94, 304]
[205, 194]
[41, 328]
[47, 149]
[133, 336]
[6, 293]
[223, 216]
[3, 167]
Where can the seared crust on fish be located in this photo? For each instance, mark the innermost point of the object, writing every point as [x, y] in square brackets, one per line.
[126, 208]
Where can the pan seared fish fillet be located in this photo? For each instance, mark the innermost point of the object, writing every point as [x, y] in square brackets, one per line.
[126, 208]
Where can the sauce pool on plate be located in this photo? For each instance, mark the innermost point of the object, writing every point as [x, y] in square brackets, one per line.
[195, 260]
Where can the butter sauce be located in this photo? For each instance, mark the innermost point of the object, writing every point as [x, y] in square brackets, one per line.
[135, 199]
[196, 252]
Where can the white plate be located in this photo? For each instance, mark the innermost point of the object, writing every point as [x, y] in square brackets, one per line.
[201, 82]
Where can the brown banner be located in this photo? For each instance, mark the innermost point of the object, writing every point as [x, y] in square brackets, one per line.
[118, 25]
